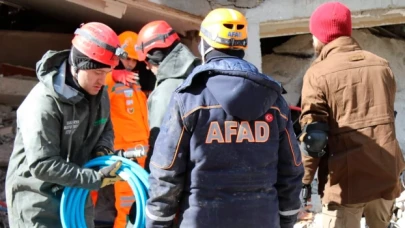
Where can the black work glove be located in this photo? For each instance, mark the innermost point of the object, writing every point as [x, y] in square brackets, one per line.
[103, 151]
[306, 193]
[109, 174]
[132, 214]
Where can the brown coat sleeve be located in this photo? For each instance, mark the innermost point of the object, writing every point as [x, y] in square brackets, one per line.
[314, 109]
[313, 100]
[310, 166]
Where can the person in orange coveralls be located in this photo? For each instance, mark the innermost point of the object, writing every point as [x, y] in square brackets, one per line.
[130, 123]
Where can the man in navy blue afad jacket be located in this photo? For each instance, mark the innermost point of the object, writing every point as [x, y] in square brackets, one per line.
[226, 155]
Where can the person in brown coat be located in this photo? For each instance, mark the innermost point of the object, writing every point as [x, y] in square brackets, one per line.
[348, 125]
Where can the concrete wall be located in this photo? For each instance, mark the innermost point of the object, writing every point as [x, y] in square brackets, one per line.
[253, 52]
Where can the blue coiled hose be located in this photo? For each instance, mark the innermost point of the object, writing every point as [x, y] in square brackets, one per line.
[74, 199]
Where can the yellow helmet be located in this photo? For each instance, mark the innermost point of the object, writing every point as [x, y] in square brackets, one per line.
[128, 40]
[225, 28]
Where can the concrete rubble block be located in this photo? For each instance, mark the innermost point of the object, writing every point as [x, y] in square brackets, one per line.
[13, 90]
[7, 119]
[5, 153]
[4, 109]
[7, 135]
[289, 71]
[6, 130]
[297, 45]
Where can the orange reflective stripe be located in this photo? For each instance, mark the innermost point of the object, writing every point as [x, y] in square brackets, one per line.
[281, 114]
[123, 88]
[292, 149]
[126, 201]
[127, 198]
[117, 87]
[126, 204]
[200, 107]
[175, 153]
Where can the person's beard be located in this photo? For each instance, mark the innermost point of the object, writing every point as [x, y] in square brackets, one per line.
[318, 46]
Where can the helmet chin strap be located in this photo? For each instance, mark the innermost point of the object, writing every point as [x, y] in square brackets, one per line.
[204, 52]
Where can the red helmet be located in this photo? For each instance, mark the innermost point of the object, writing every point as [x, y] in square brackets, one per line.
[99, 42]
[156, 34]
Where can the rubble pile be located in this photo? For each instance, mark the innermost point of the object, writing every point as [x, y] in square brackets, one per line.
[3, 215]
[13, 90]
[7, 133]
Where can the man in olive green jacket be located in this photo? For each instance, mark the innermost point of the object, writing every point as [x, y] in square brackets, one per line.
[171, 62]
[63, 123]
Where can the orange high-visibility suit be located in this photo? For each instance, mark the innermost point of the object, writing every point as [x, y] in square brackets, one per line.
[130, 123]
[129, 117]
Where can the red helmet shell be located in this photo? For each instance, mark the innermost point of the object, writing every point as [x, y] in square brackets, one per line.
[98, 42]
[156, 34]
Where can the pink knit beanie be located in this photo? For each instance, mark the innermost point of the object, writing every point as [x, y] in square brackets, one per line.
[330, 21]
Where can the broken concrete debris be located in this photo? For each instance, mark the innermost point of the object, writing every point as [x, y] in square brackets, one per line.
[13, 90]
[7, 133]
